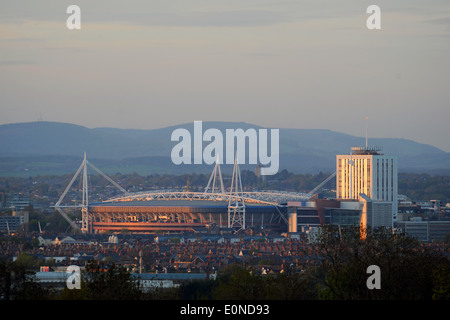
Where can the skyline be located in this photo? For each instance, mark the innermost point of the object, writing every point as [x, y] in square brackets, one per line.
[281, 65]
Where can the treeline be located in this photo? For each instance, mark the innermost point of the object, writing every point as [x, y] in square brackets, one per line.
[53, 186]
[337, 269]
[415, 186]
[424, 186]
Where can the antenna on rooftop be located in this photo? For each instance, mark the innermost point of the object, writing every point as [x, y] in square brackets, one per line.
[367, 118]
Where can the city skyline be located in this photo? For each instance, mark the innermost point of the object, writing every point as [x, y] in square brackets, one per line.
[280, 65]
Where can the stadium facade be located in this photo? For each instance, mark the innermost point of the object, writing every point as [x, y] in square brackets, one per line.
[178, 216]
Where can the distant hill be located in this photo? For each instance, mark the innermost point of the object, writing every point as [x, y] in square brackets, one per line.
[54, 148]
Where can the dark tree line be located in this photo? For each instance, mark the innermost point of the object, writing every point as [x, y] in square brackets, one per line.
[44, 189]
[409, 269]
[17, 283]
[337, 270]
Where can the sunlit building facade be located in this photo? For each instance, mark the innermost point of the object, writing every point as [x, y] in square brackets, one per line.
[366, 171]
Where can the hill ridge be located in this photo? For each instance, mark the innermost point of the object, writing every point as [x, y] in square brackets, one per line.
[301, 150]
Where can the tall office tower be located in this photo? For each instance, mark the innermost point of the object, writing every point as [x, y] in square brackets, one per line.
[366, 171]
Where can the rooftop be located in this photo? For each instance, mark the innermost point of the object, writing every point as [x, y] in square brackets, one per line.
[366, 150]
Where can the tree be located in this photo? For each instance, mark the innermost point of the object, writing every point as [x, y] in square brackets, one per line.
[409, 270]
[16, 283]
[196, 290]
[25, 260]
[75, 294]
[110, 283]
[239, 283]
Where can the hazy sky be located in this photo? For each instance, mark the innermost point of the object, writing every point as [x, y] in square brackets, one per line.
[296, 64]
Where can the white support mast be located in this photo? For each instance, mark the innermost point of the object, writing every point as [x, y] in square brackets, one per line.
[313, 191]
[236, 205]
[85, 202]
[85, 196]
[57, 205]
[216, 174]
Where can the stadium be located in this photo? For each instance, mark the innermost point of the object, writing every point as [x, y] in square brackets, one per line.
[217, 208]
[177, 216]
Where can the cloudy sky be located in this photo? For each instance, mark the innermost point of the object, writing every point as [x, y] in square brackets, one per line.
[281, 64]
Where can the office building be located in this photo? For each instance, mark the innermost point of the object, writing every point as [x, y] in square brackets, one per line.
[367, 171]
[376, 213]
[18, 201]
[11, 223]
[313, 214]
[425, 230]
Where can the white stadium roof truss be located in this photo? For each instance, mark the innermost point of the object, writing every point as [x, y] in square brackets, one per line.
[275, 198]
